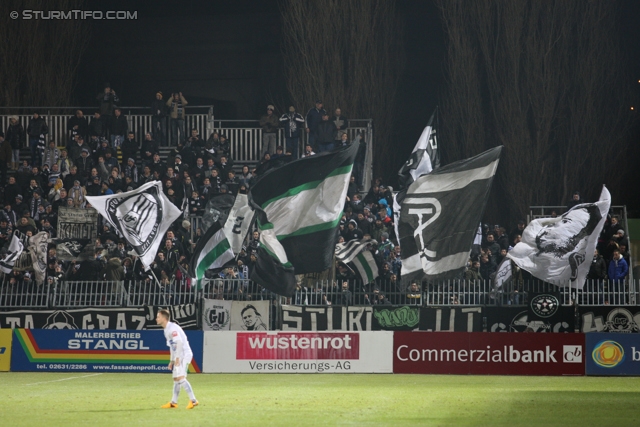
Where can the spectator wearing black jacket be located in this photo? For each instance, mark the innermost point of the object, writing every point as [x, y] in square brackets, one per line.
[159, 119]
[98, 126]
[37, 127]
[15, 136]
[129, 147]
[78, 125]
[325, 135]
[118, 128]
[314, 117]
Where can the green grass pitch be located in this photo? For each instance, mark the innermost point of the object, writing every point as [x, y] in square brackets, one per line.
[122, 400]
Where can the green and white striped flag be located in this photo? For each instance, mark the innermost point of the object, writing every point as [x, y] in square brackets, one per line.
[212, 251]
[301, 203]
[366, 266]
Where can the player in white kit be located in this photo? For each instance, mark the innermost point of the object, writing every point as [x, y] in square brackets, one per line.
[181, 356]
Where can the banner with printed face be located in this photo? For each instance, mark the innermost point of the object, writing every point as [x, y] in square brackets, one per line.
[298, 352]
[216, 315]
[250, 316]
[5, 349]
[97, 351]
[135, 318]
[304, 318]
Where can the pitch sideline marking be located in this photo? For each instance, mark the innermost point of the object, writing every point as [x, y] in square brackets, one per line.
[65, 379]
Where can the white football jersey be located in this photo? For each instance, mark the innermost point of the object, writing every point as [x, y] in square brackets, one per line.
[174, 333]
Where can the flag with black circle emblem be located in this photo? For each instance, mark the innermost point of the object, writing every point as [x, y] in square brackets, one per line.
[142, 216]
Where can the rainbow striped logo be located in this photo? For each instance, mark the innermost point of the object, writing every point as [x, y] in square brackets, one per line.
[608, 354]
[111, 357]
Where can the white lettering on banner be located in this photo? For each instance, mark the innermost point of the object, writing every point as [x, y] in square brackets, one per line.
[572, 354]
[90, 344]
[285, 342]
[506, 355]
[635, 354]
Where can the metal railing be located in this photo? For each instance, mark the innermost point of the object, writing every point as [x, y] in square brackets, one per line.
[67, 294]
[245, 136]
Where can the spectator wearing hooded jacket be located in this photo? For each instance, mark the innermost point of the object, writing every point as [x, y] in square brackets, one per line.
[292, 122]
[325, 135]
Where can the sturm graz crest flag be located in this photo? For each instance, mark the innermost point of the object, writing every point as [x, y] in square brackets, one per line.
[439, 217]
[142, 216]
[300, 206]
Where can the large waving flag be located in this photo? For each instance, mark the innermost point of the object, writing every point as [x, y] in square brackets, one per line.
[142, 216]
[238, 221]
[301, 206]
[440, 215]
[213, 251]
[559, 250]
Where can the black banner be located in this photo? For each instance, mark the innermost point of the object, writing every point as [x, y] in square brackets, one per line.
[519, 319]
[138, 318]
[390, 318]
[620, 319]
[296, 318]
[451, 319]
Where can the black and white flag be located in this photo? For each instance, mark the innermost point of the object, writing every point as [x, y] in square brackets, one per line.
[424, 158]
[559, 250]
[13, 253]
[238, 221]
[142, 216]
[439, 217]
[355, 253]
[503, 273]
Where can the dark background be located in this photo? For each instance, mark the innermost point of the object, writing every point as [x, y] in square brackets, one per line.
[227, 53]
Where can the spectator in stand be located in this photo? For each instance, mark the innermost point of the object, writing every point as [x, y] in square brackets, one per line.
[245, 178]
[78, 194]
[159, 119]
[269, 124]
[77, 125]
[149, 148]
[15, 136]
[37, 127]
[308, 151]
[341, 124]
[517, 231]
[575, 200]
[118, 128]
[232, 182]
[110, 161]
[131, 170]
[494, 247]
[314, 118]
[487, 266]
[414, 294]
[5, 157]
[325, 135]
[597, 274]
[94, 186]
[106, 101]
[177, 104]
[292, 122]
[129, 147]
[69, 179]
[75, 148]
[197, 143]
[618, 270]
[197, 171]
[502, 239]
[11, 190]
[51, 154]
[84, 164]
[224, 166]
[98, 126]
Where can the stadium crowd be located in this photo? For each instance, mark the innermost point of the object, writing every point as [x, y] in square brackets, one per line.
[103, 156]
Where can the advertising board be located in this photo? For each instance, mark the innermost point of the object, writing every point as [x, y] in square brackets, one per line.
[612, 354]
[298, 352]
[97, 351]
[480, 353]
[5, 350]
